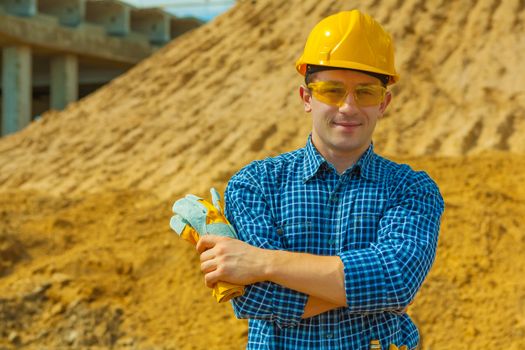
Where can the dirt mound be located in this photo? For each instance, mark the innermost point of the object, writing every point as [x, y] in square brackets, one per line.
[104, 270]
[87, 259]
[474, 297]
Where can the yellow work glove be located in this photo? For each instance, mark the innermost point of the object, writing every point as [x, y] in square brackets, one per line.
[194, 217]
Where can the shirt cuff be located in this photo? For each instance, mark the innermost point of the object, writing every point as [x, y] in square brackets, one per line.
[271, 302]
[364, 281]
[288, 306]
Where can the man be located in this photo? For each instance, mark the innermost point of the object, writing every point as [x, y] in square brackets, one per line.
[335, 240]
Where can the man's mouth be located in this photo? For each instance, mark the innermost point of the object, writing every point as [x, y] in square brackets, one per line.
[347, 125]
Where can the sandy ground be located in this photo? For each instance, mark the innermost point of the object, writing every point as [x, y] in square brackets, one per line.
[86, 256]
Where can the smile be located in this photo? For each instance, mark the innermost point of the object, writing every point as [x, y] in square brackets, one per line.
[347, 125]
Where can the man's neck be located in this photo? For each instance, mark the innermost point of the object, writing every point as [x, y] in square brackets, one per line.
[341, 160]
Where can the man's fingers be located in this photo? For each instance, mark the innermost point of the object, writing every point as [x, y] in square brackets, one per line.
[208, 266]
[207, 255]
[206, 242]
[209, 241]
[211, 278]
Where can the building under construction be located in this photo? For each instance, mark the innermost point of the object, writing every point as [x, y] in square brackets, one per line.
[57, 51]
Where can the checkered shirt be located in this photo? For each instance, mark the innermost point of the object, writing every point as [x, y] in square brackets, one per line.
[381, 218]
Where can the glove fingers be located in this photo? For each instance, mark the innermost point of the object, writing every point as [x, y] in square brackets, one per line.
[203, 216]
[193, 197]
[216, 199]
[185, 204]
[184, 229]
[193, 212]
[177, 224]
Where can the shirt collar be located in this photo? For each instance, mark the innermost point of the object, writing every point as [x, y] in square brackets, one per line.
[367, 165]
[313, 162]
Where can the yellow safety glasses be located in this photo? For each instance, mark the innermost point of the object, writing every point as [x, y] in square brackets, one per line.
[335, 93]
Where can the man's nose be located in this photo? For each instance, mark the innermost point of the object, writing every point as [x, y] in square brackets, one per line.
[349, 103]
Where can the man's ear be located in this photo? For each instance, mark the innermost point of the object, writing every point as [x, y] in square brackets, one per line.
[306, 97]
[386, 102]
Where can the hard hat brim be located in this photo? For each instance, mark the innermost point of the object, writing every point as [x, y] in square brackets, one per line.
[301, 68]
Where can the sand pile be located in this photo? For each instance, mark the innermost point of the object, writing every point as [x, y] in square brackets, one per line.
[86, 258]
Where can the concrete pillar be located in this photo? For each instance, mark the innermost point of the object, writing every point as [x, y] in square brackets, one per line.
[16, 88]
[64, 81]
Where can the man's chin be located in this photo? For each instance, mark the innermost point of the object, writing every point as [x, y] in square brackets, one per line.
[350, 147]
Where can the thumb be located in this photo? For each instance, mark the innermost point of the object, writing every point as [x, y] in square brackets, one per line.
[206, 242]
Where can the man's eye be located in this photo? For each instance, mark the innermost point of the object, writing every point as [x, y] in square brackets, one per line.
[366, 92]
[333, 91]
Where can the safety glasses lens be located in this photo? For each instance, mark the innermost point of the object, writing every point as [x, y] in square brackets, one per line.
[369, 95]
[331, 93]
[334, 93]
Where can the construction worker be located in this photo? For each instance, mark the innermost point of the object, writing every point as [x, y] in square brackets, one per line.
[334, 240]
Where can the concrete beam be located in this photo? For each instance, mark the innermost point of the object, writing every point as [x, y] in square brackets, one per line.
[64, 81]
[179, 26]
[82, 41]
[26, 8]
[87, 75]
[16, 88]
[112, 15]
[152, 22]
[69, 12]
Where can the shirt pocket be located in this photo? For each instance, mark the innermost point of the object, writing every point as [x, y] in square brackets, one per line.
[362, 230]
[297, 236]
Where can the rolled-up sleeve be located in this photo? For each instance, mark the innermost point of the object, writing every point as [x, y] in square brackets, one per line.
[387, 275]
[249, 213]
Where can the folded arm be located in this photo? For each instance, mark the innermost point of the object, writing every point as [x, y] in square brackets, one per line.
[285, 286]
[250, 214]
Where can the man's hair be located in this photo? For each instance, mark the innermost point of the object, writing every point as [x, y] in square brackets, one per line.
[312, 69]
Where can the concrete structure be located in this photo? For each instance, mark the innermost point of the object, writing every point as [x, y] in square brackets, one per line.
[64, 80]
[114, 16]
[69, 12]
[16, 87]
[56, 51]
[153, 23]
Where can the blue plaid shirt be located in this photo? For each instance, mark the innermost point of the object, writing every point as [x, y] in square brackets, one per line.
[381, 218]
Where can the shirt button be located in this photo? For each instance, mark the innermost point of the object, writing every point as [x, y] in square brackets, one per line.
[279, 231]
[331, 242]
[329, 335]
[334, 199]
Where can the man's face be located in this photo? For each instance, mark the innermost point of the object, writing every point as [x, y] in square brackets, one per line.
[344, 131]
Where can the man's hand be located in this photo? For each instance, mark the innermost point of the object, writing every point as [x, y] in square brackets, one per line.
[230, 260]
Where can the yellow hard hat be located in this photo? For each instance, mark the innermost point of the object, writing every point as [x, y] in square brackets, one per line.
[350, 39]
